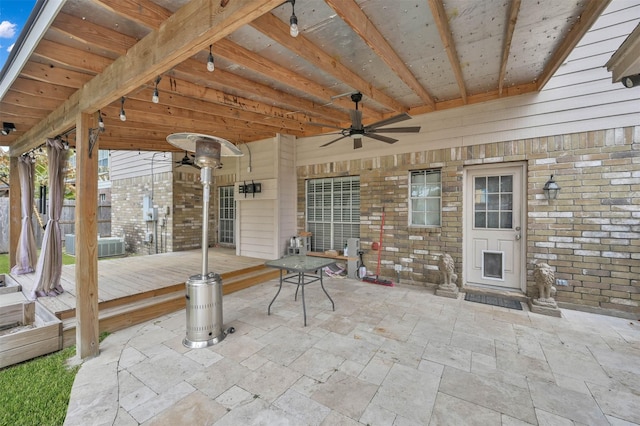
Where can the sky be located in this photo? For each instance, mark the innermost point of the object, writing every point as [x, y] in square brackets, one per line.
[13, 16]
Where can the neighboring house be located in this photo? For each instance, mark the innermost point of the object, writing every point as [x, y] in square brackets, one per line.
[470, 184]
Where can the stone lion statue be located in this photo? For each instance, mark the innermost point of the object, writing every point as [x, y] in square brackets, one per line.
[544, 278]
[447, 269]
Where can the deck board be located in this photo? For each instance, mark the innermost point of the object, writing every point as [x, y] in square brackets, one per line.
[121, 277]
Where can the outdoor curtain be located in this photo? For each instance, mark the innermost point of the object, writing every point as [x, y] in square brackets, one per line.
[49, 266]
[26, 253]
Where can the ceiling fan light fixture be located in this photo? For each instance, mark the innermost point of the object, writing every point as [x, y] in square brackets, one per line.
[210, 65]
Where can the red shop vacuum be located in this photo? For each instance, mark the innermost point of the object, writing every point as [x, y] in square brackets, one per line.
[375, 279]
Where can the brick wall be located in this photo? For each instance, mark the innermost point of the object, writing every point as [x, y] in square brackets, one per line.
[126, 214]
[589, 235]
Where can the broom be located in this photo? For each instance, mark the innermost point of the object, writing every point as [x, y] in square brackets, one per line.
[376, 279]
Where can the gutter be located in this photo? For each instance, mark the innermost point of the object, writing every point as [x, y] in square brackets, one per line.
[43, 14]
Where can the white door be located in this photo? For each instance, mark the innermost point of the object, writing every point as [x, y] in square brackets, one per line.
[494, 226]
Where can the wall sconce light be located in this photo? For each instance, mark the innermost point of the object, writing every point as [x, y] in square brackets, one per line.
[8, 128]
[210, 65]
[551, 189]
[123, 116]
[293, 21]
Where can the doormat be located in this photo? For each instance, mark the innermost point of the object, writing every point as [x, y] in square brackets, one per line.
[493, 300]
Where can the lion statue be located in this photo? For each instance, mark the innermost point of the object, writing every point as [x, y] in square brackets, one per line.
[447, 269]
[544, 278]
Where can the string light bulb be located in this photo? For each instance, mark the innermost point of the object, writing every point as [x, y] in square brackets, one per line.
[293, 21]
[210, 65]
[123, 116]
[156, 96]
[100, 121]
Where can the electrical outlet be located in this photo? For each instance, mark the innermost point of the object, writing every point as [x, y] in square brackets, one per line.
[562, 283]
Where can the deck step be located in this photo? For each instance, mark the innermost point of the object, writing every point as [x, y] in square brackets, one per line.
[127, 311]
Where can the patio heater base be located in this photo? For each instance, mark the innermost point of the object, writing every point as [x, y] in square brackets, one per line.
[204, 311]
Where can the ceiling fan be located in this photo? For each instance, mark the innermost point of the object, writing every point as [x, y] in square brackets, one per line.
[187, 161]
[357, 131]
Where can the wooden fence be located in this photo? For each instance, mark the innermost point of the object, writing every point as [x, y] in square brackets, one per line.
[67, 222]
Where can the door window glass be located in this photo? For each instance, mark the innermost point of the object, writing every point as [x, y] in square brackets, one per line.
[493, 202]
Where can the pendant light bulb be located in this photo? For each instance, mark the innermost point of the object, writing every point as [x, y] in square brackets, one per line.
[293, 21]
[210, 64]
[293, 28]
[100, 121]
[156, 97]
[123, 116]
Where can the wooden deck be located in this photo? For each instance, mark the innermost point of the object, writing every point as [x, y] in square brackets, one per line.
[138, 288]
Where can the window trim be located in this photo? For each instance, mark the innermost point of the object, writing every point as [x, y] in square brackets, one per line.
[410, 200]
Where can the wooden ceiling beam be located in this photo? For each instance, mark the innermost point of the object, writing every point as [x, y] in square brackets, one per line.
[195, 71]
[442, 22]
[241, 56]
[54, 75]
[143, 12]
[7, 109]
[30, 101]
[40, 89]
[514, 9]
[81, 60]
[170, 112]
[274, 28]
[194, 26]
[353, 15]
[93, 35]
[568, 42]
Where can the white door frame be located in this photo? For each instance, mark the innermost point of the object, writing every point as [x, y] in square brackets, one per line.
[520, 235]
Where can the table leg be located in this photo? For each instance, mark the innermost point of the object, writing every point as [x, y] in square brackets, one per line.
[333, 305]
[274, 297]
[304, 308]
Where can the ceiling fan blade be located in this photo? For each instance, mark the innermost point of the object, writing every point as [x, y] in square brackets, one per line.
[356, 118]
[357, 143]
[381, 138]
[391, 120]
[335, 140]
[413, 129]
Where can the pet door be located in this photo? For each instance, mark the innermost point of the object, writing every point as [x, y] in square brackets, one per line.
[493, 265]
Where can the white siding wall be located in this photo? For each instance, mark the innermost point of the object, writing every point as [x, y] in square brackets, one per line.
[287, 192]
[580, 97]
[128, 164]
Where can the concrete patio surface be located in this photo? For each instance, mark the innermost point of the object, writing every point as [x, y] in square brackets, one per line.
[386, 356]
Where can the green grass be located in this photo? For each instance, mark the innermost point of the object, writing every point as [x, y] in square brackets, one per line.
[4, 261]
[37, 392]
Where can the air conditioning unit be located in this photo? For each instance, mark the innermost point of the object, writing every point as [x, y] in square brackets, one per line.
[107, 247]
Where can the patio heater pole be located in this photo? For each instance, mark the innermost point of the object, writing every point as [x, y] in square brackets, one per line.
[204, 291]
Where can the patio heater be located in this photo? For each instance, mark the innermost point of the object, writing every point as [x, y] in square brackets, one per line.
[204, 290]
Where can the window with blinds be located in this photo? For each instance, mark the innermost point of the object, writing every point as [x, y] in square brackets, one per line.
[333, 211]
[227, 215]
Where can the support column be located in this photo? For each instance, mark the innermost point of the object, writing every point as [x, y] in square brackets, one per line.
[86, 230]
[15, 212]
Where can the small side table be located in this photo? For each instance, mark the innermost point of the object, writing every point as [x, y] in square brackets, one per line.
[303, 271]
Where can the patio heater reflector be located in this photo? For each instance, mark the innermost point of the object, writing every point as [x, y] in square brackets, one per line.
[204, 290]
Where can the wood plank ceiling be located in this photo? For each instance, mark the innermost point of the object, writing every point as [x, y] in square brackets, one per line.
[416, 56]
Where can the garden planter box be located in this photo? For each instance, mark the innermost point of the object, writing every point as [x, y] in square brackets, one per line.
[35, 330]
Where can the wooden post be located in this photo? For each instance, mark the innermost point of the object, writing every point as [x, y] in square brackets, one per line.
[86, 228]
[15, 211]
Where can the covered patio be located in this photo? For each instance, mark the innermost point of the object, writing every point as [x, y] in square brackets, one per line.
[387, 355]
